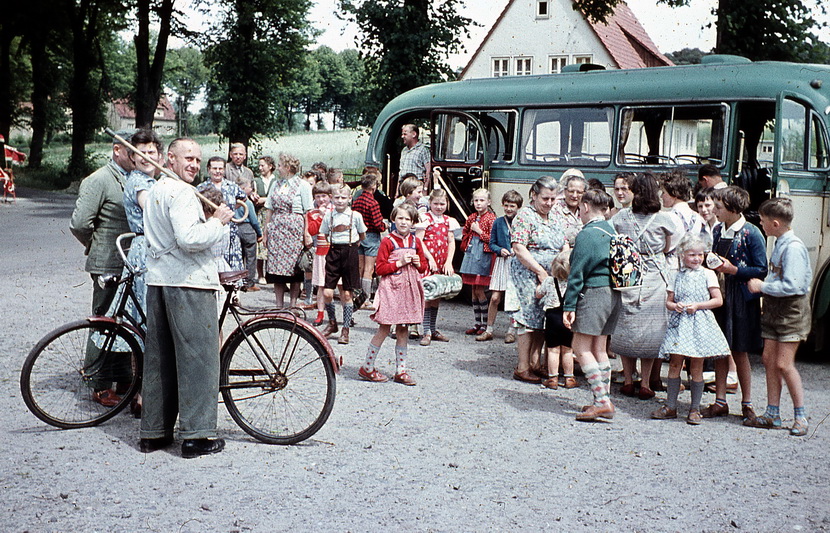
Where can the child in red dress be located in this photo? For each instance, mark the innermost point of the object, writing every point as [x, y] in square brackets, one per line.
[400, 295]
[478, 257]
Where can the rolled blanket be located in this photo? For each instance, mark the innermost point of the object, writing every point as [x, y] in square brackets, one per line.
[441, 286]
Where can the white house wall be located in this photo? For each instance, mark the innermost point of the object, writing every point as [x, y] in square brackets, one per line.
[521, 34]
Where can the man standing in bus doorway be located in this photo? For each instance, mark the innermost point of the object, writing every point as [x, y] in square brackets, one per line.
[181, 358]
[236, 168]
[709, 176]
[414, 156]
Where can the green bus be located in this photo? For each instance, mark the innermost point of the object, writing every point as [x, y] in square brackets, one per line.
[764, 124]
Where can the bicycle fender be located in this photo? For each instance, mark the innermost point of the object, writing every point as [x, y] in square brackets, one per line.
[336, 362]
[111, 320]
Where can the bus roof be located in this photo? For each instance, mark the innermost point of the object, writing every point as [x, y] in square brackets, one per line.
[720, 78]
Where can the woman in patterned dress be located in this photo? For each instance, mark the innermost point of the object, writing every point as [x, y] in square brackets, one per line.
[231, 192]
[262, 186]
[284, 237]
[536, 239]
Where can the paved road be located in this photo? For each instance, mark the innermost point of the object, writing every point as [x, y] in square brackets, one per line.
[467, 449]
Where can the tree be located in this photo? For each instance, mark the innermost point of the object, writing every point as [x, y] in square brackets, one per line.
[150, 69]
[253, 52]
[405, 44]
[185, 73]
[780, 30]
[687, 56]
[88, 22]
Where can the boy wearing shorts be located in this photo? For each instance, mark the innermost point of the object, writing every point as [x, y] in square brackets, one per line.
[785, 321]
[344, 229]
[369, 208]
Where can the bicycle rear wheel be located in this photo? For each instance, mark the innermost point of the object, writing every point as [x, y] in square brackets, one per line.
[277, 381]
[66, 367]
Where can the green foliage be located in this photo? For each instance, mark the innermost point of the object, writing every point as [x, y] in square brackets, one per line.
[118, 62]
[687, 56]
[185, 74]
[405, 44]
[254, 51]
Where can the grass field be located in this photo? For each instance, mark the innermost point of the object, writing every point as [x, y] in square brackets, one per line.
[344, 149]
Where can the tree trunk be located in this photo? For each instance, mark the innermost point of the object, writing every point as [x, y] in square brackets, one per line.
[6, 36]
[149, 74]
[40, 98]
[82, 97]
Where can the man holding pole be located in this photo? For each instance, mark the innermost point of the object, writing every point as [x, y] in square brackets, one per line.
[181, 358]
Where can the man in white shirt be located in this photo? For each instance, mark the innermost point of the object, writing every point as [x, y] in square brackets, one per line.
[181, 359]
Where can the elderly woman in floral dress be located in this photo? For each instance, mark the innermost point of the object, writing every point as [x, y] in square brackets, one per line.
[285, 235]
[536, 239]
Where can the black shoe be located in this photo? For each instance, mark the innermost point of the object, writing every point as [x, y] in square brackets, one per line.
[151, 445]
[195, 447]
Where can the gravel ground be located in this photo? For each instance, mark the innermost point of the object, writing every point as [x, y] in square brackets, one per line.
[467, 449]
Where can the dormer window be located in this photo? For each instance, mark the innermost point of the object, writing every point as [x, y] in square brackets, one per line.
[542, 9]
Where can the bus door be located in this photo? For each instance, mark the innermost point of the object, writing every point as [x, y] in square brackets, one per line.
[459, 153]
[802, 168]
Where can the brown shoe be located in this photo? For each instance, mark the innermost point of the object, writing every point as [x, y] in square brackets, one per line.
[426, 340]
[510, 338]
[526, 376]
[106, 397]
[664, 413]
[551, 383]
[486, 336]
[374, 376]
[645, 393]
[596, 411]
[330, 329]
[436, 336]
[571, 383]
[714, 410]
[694, 418]
[252, 288]
[344, 336]
[748, 413]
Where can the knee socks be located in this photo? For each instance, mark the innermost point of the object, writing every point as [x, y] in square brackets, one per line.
[605, 370]
[480, 312]
[309, 291]
[697, 394]
[348, 311]
[594, 377]
[330, 312]
[427, 321]
[371, 354]
[366, 285]
[401, 359]
[433, 319]
[672, 391]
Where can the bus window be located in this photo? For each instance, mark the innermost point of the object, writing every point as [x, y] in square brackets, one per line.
[818, 144]
[793, 134]
[673, 135]
[568, 137]
[500, 129]
[456, 140]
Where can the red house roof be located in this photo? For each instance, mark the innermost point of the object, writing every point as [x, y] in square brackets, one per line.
[125, 109]
[622, 35]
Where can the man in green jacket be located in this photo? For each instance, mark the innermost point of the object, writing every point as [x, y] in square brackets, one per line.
[99, 218]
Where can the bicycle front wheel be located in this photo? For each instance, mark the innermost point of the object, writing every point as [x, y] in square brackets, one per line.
[65, 370]
[277, 381]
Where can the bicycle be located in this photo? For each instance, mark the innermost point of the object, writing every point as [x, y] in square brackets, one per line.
[277, 372]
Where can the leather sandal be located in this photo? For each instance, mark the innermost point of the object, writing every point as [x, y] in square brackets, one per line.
[106, 397]
[374, 376]
[551, 383]
[596, 411]
[404, 379]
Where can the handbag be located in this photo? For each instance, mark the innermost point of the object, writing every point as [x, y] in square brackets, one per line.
[555, 325]
[359, 298]
[305, 260]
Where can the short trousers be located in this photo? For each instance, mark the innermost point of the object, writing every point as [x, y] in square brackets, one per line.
[597, 311]
[786, 318]
[370, 245]
[342, 264]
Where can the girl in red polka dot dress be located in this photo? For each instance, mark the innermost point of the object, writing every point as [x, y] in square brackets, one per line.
[436, 231]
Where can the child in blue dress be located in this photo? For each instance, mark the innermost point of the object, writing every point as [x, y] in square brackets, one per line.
[693, 331]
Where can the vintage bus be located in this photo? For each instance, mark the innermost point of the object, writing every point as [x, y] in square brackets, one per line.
[764, 124]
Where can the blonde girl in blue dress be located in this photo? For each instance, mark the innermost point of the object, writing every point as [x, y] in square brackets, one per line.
[692, 331]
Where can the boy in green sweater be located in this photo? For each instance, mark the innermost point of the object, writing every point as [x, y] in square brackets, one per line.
[591, 306]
